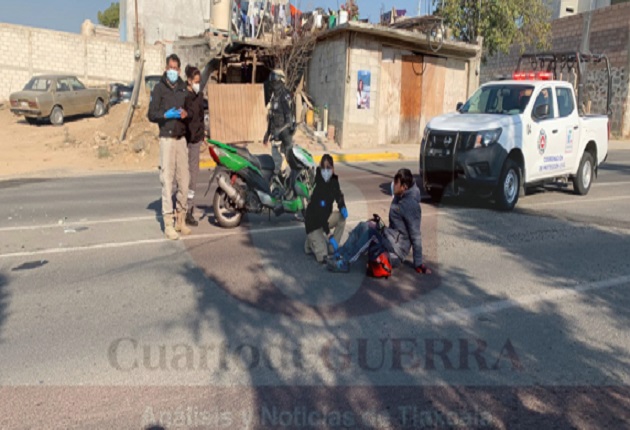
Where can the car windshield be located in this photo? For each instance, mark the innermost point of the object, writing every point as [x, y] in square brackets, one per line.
[499, 99]
[37, 84]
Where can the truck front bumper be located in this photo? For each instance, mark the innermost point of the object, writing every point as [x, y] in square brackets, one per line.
[447, 163]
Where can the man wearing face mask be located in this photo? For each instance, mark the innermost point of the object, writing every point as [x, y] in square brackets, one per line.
[320, 218]
[195, 130]
[166, 109]
[399, 239]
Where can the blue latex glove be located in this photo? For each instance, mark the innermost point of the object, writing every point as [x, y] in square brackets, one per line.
[344, 212]
[334, 244]
[173, 114]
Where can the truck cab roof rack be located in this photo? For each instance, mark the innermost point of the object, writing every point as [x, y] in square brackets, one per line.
[571, 61]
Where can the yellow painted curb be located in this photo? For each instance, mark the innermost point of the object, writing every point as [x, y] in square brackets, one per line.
[337, 158]
[362, 158]
[207, 164]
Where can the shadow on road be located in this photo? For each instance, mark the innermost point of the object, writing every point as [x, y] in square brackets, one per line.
[368, 364]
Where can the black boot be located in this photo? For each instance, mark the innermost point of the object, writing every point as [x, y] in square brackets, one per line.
[190, 219]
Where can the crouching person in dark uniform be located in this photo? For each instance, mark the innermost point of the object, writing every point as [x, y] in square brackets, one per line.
[402, 235]
[166, 109]
[320, 218]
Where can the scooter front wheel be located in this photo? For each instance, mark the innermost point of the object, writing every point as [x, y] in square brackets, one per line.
[226, 214]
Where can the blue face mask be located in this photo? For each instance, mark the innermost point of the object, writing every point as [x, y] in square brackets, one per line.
[327, 174]
[172, 75]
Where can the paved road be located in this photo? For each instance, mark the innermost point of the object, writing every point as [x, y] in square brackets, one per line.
[104, 324]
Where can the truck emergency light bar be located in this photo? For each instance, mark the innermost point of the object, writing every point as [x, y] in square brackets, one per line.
[532, 76]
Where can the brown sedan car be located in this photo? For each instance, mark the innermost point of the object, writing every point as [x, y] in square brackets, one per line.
[55, 97]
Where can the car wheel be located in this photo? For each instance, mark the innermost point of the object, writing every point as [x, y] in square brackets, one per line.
[584, 178]
[508, 189]
[56, 116]
[99, 108]
[31, 120]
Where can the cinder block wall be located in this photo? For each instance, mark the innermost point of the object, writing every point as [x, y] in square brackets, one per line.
[610, 29]
[326, 80]
[27, 51]
[192, 52]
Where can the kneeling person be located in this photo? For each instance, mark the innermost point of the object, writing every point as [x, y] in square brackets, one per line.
[320, 218]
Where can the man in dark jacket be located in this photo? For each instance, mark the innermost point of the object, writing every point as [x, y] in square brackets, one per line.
[281, 125]
[320, 218]
[166, 109]
[402, 235]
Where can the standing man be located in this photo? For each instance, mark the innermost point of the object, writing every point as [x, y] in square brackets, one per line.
[281, 126]
[167, 111]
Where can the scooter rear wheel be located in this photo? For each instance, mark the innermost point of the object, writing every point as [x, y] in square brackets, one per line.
[226, 214]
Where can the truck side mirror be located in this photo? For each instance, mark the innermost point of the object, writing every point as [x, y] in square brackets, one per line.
[459, 106]
[541, 111]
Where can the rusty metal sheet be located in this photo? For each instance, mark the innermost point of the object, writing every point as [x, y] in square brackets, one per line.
[237, 112]
[411, 99]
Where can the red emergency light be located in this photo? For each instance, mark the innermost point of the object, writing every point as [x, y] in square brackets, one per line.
[532, 76]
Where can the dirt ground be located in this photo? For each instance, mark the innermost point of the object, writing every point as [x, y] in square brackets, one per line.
[87, 145]
[82, 145]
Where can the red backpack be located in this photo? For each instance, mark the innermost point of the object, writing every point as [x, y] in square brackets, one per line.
[380, 266]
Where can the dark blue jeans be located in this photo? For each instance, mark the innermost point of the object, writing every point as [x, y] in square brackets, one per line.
[359, 241]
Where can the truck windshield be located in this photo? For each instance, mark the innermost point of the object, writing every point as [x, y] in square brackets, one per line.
[499, 99]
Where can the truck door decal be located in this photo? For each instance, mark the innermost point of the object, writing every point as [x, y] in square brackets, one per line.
[542, 142]
[554, 162]
[569, 143]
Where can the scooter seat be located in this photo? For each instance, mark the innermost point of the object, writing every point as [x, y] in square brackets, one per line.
[256, 160]
[266, 162]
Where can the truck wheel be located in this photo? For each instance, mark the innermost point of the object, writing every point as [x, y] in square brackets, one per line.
[436, 194]
[584, 178]
[506, 194]
[227, 216]
[56, 116]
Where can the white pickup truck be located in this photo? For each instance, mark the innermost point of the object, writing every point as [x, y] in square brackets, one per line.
[511, 135]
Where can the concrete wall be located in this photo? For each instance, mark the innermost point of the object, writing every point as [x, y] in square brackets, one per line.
[361, 126]
[333, 79]
[326, 79]
[192, 51]
[610, 28]
[456, 84]
[27, 51]
[164, 20]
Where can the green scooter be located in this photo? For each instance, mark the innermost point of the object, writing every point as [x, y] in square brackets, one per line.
[247, 183]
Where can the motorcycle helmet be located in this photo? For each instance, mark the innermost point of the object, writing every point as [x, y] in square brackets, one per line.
[278, 75]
